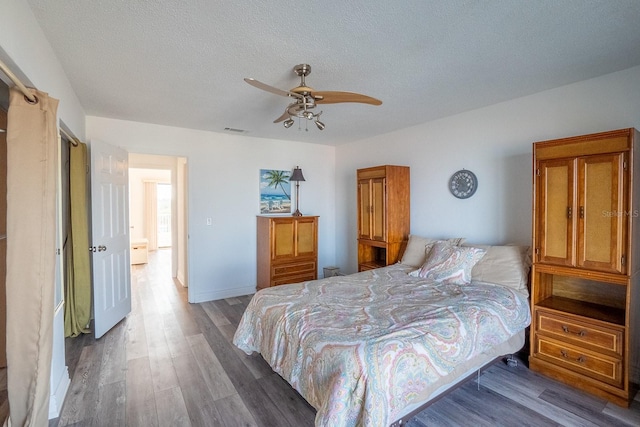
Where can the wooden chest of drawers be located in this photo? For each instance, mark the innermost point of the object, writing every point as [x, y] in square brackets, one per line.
[287, 250]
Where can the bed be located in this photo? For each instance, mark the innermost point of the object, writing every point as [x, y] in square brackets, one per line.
[370, 348]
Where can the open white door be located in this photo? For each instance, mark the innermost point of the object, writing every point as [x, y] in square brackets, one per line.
[110, 235]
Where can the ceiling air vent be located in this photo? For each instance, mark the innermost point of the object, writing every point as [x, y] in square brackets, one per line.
[235, 130]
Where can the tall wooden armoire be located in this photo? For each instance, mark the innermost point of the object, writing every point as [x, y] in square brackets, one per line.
[383, 215]
[585, 291]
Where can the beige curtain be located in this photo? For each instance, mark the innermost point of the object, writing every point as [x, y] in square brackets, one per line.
[32, 138]
[77, 308]
[151, 214]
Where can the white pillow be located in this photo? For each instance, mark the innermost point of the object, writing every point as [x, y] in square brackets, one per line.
[447, 263]
[416, 251]
[504, 265]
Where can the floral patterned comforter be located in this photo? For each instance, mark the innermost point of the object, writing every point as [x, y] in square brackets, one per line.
[360, 348]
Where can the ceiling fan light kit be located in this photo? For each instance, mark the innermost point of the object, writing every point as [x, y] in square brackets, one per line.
[306, 98]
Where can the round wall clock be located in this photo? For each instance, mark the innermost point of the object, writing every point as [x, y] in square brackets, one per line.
[463, 184]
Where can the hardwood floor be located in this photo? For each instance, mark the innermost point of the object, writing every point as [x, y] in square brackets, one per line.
[171, 363]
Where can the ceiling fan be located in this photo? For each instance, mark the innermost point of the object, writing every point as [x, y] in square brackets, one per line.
[306, 98]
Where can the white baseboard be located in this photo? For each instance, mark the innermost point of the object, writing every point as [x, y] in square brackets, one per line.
[220, 294]
[181, 281]
[57, 397]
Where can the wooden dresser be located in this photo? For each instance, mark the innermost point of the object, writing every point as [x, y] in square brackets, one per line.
[584, 288]
[287, 250]
[383, 215]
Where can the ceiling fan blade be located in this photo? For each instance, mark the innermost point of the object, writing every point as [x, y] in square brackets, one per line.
[283, 117]
[268, 88]
[335, 97]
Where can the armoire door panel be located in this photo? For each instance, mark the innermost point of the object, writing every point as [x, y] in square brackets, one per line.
[556, 198]
[364, 207]
[378, 208]
[601, 213]
[283, 244]
[306, 235]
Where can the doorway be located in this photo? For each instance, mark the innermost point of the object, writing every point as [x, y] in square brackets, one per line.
[158, 207]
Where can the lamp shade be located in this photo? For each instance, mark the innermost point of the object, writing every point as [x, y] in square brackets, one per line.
[297, 175]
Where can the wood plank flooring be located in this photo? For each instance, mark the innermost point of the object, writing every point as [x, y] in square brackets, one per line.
[171, 363]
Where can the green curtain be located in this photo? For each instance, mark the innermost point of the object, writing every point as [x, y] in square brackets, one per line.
[77, 310]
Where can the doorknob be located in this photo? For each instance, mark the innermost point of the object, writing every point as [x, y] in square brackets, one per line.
[102, 248]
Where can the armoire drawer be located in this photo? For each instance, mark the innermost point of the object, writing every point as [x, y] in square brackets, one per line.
[284, 280]
[597, 366]
[296, 269]
[579, 332]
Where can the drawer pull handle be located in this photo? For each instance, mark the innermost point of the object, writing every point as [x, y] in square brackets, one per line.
[580, 359]
[582, 333]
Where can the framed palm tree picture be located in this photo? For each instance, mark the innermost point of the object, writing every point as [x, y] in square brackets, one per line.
[275, 191]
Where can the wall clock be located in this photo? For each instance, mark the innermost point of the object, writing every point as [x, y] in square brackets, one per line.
[463, 184]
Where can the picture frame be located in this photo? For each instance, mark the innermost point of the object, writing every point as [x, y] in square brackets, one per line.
[275, 192]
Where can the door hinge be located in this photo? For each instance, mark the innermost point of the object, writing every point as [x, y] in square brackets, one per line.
[622, 260]
[537, 251]
[538, 171]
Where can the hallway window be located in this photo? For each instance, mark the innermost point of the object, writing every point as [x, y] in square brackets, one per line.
[164, 215]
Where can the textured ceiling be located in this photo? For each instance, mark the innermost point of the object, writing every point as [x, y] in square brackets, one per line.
[182, 63]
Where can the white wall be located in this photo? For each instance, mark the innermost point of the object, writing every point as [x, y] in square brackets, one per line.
[223, 175]
[496, 144]
[24, 48]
